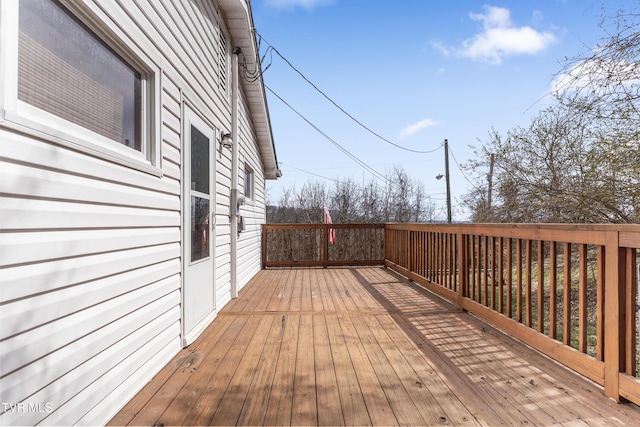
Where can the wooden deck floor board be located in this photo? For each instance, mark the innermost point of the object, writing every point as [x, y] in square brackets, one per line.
[281, 398]
[361, 346]
[254, 409]
[327, 395]
[375, 400]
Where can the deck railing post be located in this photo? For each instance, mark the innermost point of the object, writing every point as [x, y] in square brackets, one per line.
[263, 244]
[325, 240]
[462, 269]
[614, 317]
[410, 251]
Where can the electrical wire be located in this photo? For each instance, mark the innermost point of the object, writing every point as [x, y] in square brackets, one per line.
[311, 173]
[337, 181]
[272, 49]
[462, 171]
[353, 157]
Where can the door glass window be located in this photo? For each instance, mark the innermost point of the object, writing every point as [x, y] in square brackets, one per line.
[200, 195]
[199, 161]
[199, 228]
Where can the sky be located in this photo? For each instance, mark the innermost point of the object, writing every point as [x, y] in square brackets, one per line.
[410, 73]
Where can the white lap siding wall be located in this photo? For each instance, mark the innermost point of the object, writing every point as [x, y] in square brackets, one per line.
[253, 211]
[90, 279]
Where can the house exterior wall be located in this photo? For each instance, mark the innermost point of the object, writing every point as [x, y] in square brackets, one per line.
[90, 252]
[253, 211]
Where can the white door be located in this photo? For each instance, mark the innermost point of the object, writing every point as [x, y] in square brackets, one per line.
[198, 228]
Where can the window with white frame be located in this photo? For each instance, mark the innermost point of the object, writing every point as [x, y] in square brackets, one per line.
[62, 79]
[248, 182]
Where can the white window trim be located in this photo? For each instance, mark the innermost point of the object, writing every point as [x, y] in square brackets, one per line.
[23, 117]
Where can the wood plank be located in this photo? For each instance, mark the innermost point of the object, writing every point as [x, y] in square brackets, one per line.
[281, 398]
[304, 410]
[453, 410]
[399, 400]
[207, 390]
[424, 402]
[327, 395]
[277, 289]
[255, 406]
[323, 292]
[189, 362]
[361, 395]
[228, 411]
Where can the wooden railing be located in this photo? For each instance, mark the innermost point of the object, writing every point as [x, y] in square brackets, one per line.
[569, 291]
[308, 245]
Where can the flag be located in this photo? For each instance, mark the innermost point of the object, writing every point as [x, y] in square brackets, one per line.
[327, 220]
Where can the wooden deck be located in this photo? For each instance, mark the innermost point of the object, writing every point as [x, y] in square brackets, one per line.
[361, 346]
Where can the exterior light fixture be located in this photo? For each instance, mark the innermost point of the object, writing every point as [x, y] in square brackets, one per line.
[226, 141]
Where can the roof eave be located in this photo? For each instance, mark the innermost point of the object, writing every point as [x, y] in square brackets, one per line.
[239, 20]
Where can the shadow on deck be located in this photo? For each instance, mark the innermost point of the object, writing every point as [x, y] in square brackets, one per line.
[361, 346]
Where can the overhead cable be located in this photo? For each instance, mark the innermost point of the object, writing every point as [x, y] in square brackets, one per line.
[461, 170]
[271, 48]
[371, 170]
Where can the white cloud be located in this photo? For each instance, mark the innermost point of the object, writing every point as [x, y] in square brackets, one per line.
[500, 38]
[596, 77]
[291, 4]
[416, 127]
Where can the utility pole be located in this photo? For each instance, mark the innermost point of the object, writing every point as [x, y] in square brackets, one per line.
[446, 168]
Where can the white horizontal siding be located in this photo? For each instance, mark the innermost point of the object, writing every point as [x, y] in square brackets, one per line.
[105, 340]
[253, 211]
[90, 257]
[31, 214]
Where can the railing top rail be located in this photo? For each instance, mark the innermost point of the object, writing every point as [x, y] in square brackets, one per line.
[529, 226]
[575, 233]
[321, 226]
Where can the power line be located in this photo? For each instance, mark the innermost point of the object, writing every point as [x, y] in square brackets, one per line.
[271, 49]
[371, 170]
[311, 173]
[462, 171]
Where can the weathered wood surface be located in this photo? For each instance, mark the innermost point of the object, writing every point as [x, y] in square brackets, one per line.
[361, 346]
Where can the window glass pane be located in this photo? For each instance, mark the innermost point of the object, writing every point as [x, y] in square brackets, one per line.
[199, 228]
[199, 161]
[248, 182]
[64, 69]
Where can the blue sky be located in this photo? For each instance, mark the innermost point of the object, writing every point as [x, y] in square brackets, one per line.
[416, 72]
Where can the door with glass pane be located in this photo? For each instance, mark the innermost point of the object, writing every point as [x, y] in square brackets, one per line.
[198, 228]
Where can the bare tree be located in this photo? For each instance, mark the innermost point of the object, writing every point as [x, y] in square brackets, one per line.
[579, 160]
[401, 199]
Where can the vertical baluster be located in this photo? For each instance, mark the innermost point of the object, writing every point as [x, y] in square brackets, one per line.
[485, 271]
[600, 303]
[553, 279]
[566, 325]
[630, 310]
[582, 302]
[501, 274]
[509, 276]
[519, 280]
[541, 291]
[528, 293]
